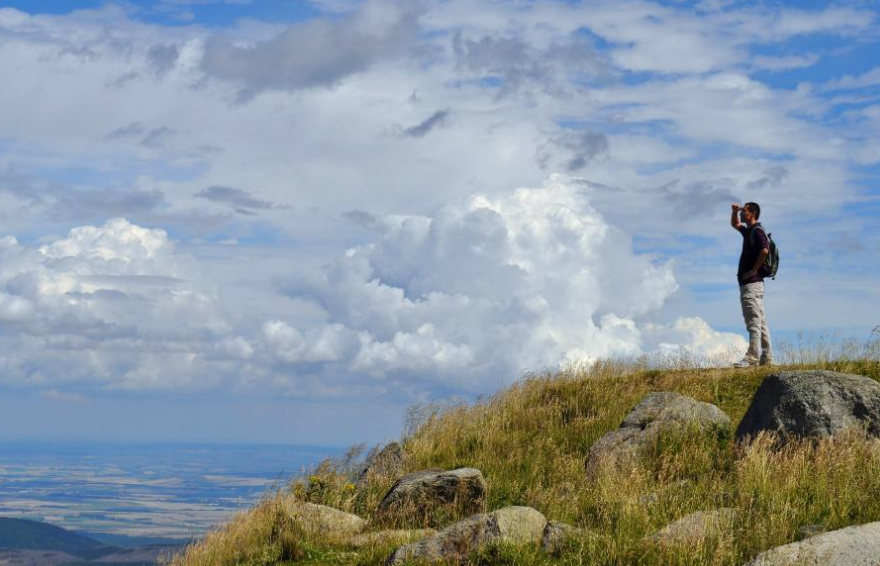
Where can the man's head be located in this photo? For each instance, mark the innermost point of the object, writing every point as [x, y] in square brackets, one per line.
[750, 212]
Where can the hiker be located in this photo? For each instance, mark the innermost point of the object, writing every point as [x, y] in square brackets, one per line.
[755, 250]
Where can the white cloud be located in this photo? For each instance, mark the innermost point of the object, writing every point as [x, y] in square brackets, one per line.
[489, 286]
[111, 304]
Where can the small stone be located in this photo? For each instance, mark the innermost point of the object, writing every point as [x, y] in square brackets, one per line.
[692, 528]
[324, 520]
[514, 525]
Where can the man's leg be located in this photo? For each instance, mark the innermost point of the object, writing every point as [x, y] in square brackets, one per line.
[750, 307]
[766, 347]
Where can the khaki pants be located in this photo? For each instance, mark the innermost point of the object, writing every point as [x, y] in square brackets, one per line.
[751, 296]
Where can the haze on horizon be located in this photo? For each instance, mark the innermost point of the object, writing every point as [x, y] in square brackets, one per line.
[270, 221]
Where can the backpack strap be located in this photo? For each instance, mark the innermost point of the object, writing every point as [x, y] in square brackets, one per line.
[752, 233]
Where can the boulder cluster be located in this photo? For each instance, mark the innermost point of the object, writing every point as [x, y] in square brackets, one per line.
[792, 404]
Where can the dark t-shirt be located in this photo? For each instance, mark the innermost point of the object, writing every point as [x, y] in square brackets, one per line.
[752, 246]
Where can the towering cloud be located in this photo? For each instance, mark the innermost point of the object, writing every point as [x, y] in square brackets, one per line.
[488, 287]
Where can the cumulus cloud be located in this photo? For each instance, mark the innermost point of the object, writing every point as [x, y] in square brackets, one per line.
[485, 289]
[111, 305]
[488, 286]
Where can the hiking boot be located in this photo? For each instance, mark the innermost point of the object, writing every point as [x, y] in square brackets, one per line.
[766, 362]
[743, 363]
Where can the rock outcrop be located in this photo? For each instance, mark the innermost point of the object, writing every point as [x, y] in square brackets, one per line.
[324, 520]
[812, 404]
[658, 413]
[514, 525]
[692, 528]
[852, 546]
[415, 497]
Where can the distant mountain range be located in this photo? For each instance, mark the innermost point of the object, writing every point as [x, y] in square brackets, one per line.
[32, 543]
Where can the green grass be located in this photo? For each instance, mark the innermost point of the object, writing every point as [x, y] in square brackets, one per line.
[531, 441]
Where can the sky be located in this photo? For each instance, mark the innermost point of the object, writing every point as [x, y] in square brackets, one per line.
[291, 221]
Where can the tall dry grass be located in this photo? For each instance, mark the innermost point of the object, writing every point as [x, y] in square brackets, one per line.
[531, 440]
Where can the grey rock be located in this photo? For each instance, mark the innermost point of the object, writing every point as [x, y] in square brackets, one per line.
[813, 404]
[852, 546]
[416, 495]
[692, 528]
[515, 525]
[322, 519]
[558, 537]
[656, 414]
[519, 525]
[387, 462]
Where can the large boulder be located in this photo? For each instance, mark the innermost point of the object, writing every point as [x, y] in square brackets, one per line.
[387, 462]
[417, 496]
[323, 520]
[657, 414]
[692, 528]
[514, 525]
[812, 404]
[852, 546]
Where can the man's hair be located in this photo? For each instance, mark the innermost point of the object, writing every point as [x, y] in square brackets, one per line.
[753, 208]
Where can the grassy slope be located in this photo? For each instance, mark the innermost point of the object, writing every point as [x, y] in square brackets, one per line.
[531, 440]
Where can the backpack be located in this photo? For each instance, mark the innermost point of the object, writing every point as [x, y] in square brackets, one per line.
[771, 264]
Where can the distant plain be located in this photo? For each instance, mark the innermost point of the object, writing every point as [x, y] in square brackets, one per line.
[130, 495]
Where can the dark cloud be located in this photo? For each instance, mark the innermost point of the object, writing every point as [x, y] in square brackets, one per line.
[240, 200]
[315, 53]
[435, 120]
[152, 138]
[695, 198]
[517, 65]
[161, 59]
[157, 137]
[572, 150]
[773, 177]
[135, 129]
[364, 219]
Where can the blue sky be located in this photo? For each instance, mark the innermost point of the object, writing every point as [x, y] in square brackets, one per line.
[313, 214]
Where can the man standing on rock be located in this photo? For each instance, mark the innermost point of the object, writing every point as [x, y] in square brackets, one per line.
[755, 250]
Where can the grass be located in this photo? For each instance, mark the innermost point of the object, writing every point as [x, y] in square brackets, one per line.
[530, 441]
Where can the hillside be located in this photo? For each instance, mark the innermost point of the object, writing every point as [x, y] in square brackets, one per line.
[531, 442]
[23, 534]
[33, 543]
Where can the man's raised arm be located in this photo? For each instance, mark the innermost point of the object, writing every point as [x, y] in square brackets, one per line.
[734, 217]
